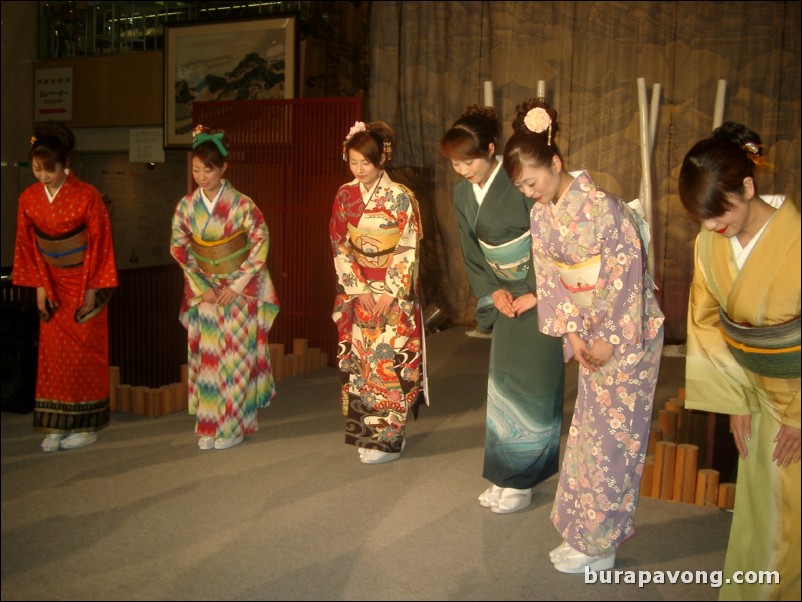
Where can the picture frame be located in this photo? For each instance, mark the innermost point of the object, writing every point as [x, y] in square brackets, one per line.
[225, 60]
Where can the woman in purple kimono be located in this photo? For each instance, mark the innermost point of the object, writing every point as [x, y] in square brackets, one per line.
[594, 292]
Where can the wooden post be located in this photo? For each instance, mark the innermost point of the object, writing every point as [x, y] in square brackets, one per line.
[114, 381]
[138, 400]
[707, 487]
[726, 496]
[276, 351]
[124, 398]
[668, 424]
[655, 435]
[685, 473]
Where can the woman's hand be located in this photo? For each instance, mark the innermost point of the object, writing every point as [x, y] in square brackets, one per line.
[367, 302]
[502, 299]
[581, 351]
[226, 296]
[788, 446]
[209, 296]
[741, 429]
[89, 302]
[600, 352]
[41, 301]
[524, 303]
[383, 305]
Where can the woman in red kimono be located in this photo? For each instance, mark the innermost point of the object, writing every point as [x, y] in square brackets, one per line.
[64, 249]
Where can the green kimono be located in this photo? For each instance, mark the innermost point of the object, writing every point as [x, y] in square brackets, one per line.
[526, 375]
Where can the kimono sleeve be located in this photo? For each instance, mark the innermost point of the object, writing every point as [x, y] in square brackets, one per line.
[253, 222]
[480, 275]
[714, 381]
[399, 280]
[100, 270]
[350, 279]
[180, 245]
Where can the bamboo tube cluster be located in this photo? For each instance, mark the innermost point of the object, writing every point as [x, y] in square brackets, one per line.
[147, 401]
[671, 471]
[302, 359]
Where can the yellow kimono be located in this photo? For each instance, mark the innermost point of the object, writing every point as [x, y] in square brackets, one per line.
[765, 533]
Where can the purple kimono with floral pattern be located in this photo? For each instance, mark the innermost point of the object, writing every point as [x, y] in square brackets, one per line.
[597, 495]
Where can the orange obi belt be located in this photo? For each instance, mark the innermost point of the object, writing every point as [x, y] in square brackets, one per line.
[64, 251]
[221, 256]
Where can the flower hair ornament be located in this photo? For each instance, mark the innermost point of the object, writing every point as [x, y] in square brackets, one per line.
[388, 150]
[33, 140]
[753, 153]
[200, 135]
[538, 120]
[358, 126]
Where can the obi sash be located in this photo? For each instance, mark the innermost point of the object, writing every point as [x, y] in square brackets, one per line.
[63, 251]
[580, 279]
[221, 256]
[510, 260]
[772, 351]
[374, 249]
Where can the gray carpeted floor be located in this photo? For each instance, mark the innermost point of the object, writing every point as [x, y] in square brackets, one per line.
[291, 514]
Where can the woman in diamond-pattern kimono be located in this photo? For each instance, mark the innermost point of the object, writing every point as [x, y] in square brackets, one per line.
[220, 239]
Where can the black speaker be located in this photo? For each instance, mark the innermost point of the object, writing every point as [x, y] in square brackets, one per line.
[19, 326]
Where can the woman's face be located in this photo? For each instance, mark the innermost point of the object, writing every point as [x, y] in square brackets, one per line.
[732, 221]
[363, 169]
[209, 179]
[50, 178]
[476, 170]
[540, 183]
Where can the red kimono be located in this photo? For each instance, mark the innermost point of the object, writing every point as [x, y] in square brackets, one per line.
[72, 384]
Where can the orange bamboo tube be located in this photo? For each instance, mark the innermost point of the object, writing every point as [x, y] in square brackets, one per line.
[276, 351]
[124, 398]
[667, 422]
[167, 399]
[184, 373]
[706, 487]
[685, 473]
[677, 405]
[299, 346]
[655, 435]
[646, 479]
[114, 380]
[150, 403]
[669, 453]
[179, 397]
[138, 400]
[681, 393]
[726, 496]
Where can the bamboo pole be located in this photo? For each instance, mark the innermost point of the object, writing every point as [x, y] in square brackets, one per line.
[718, 109]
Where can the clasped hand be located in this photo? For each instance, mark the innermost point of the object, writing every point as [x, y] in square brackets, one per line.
[788, 440]
[224, 297]
[512, 307]
[374, 307]
[592, 357]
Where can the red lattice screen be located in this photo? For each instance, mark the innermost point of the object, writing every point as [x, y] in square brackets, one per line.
[287, 156]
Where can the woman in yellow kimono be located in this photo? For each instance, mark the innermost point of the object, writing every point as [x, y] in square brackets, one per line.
[744, 350]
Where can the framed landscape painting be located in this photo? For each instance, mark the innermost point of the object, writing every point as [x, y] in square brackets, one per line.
[233, 60]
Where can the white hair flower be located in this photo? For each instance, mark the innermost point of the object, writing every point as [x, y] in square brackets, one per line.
[537, 120]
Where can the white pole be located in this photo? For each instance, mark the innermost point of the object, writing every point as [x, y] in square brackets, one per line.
[718, 111]
[646, 180]
[653, 117]
[541, 89]
[488, 93]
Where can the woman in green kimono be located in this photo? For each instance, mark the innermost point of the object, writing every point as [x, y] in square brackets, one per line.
[744, 350]
[525, 381]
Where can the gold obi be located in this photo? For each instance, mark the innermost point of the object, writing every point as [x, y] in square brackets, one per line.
[580, 279]
[65, 251]
[221, 256]
[374, 249]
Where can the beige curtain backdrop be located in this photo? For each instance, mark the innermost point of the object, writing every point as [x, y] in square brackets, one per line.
[429, 61]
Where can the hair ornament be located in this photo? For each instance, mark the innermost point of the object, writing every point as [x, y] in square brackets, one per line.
[388, 150]
[753, 153]
[359, 126]
[538, 120]
[200, 135]
[33, 140]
